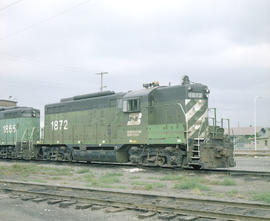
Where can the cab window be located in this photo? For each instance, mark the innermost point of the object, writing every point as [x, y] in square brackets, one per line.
[131, 105]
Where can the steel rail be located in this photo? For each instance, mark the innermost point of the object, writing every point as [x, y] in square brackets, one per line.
[251, 153]
[145, 201]
[235, 172]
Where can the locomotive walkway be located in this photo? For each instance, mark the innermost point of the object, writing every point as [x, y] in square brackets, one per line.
[149, 204]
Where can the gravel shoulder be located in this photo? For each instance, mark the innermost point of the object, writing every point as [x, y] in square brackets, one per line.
[253, 163]
[171, 182]
[16, 209]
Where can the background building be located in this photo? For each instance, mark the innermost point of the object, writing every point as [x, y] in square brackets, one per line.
[244, 137]
[8, 103]
[263, 139]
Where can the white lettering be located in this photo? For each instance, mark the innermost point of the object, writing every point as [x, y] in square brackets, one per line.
[134, 119]
[9, 129]
[59, 125]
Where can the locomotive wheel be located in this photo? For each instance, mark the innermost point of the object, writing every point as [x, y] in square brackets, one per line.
[161, 161]
[196, 167]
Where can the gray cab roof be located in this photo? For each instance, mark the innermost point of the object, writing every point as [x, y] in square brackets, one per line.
[16, 112]
[141, 93]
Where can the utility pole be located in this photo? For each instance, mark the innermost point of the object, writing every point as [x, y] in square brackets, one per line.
[101, 80]
[255, 122]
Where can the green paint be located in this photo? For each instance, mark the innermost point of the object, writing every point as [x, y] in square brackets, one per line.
[166, 133]
[19, 129]
[161, 119]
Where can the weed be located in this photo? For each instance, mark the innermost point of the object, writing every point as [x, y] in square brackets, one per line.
[159, 185]
[196, 191]
[172, 177]
[210, 182]
[148, 186]
[153, 178]
[228, 182]
[114, 174]
[36, 180]
[84, 170]
[134, 177]
[140, 183]
[265, 197]
[110, 178]
[58, 171]
[120, 187]
[89, 178]
[217, 195]
[55, 178]
[233, 193]
[191, 183]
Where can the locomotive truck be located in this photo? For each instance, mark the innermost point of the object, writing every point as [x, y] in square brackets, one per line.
[156, 125]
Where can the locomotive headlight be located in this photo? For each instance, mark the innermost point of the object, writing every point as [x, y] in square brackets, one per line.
[207, 90]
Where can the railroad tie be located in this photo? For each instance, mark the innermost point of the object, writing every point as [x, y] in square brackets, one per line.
[83, 206]
[26, 198]
[167, 216]
[52, 202]
[188, 218]
[114, 209]
[67, 204]
[97, 207]
[37, 200]
[146, 215]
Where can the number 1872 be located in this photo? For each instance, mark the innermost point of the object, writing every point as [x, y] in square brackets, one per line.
[59, 124]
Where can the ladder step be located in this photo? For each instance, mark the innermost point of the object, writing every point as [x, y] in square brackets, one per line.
[197, 164]
[200, 138]
[195, 151]
[195, 158]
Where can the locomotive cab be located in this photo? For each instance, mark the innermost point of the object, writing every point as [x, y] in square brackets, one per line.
[173, 120]
[20, 131]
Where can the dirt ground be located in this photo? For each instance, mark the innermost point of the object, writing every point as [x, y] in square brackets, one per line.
[253, 163]
[169, 182]
[16, 209]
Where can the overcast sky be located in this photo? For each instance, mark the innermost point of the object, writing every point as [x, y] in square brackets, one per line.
[52, 49]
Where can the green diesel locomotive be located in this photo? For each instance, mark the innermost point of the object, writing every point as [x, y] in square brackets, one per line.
[157, 125]
[20, 131]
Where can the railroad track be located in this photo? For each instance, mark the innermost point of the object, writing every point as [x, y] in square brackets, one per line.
[234, 172]
[148, 204]
[252, 153]
[229, 172]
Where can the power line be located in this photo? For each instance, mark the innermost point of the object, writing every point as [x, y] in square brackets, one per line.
[9, 5]
[45, 20]
[28, 60]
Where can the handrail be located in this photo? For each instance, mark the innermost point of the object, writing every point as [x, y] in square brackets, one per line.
[200, 132]
[228, 121]
[199, 154]
[31, 138]
[32, 134]
[26, 130]
[187, 128]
